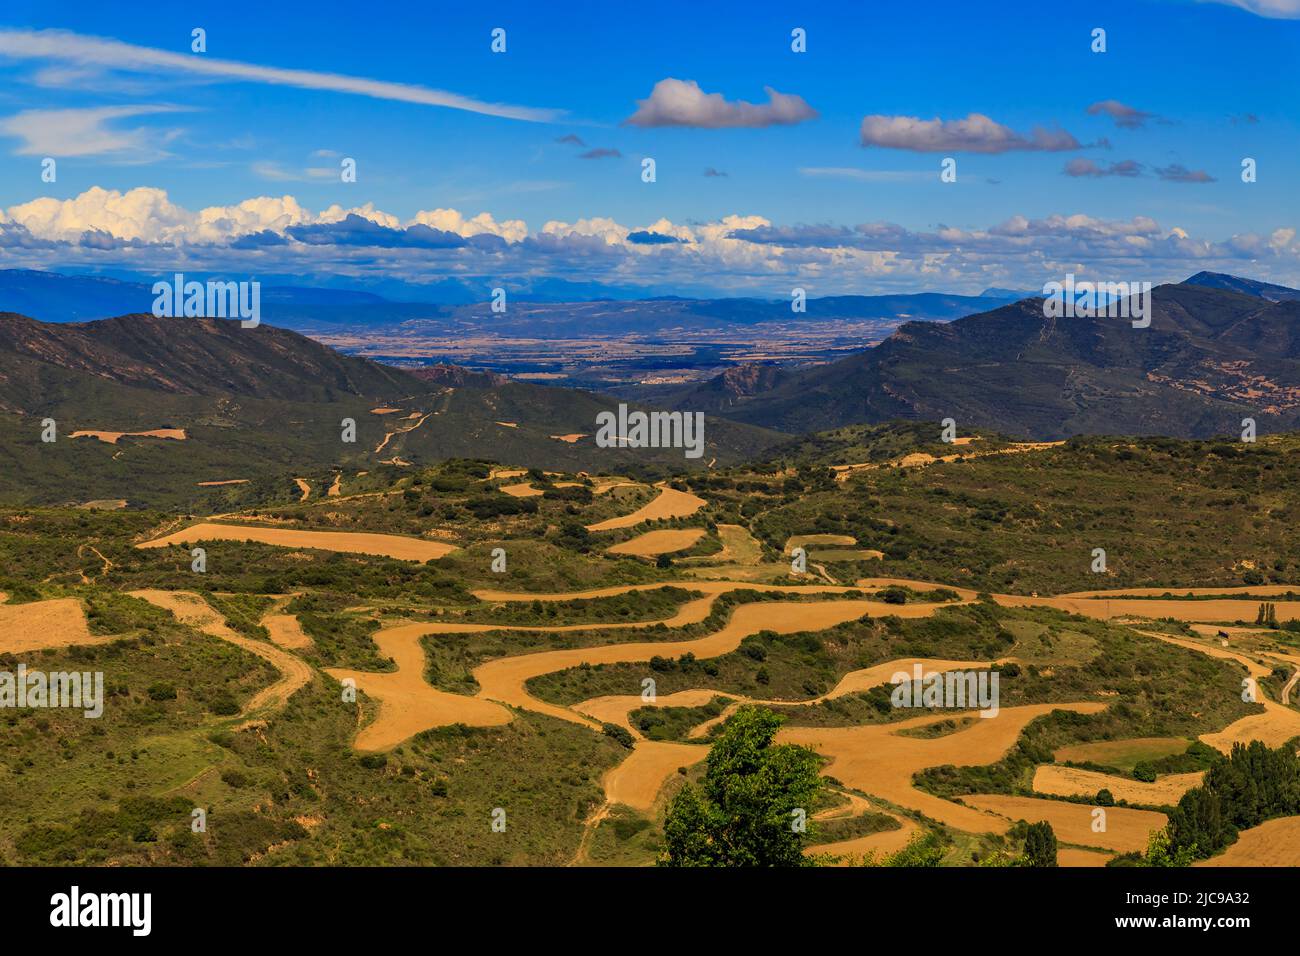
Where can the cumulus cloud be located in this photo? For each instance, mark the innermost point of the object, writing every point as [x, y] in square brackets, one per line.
[675, 102]
[143, 231]
[1086, 167]
[1178, 173]
[72, 48]
[449, 220]
[1125, 117]
[976, 133]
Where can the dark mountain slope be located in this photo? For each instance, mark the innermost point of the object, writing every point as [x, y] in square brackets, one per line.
[1209, 358]
[199, 357]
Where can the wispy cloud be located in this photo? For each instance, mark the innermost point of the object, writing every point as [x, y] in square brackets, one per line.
[865, 175]
[87, 132]
[66, 47]
[682, 103]
[600, 152]
[1273, 9]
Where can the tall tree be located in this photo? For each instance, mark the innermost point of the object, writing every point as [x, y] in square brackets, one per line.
[1040, 845]
[752, 807]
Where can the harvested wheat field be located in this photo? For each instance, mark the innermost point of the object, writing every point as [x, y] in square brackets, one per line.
[1274, 727]
[1272, 843]
[654, 543]
[830, 540]
[876, 759]
[882, 844]
[738, 547]
[1207, 611]
[335, 489]
[1264, 590]
[111, 438]
[637, 781]
[504, 679]
[615, 709]
[670, 503]
[218, 484]
[522, 490]
[39, 624]
[304, 487]
[1073, 856]
[352, 542]
[190, 608]
[285, 629]
[385, 410]
[569, 439]
[407, 703]
[103, 504]
[1071, 781]
[1126, 829]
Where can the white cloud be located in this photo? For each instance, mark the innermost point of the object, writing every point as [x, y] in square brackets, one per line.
[87, 132]
[1273, 9]
[735, 254]
[449, 220]
[682, 103]
[73, 48]
[974, 134]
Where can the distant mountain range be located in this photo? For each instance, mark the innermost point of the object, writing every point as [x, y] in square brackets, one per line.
[1219, 349]
[554, 307]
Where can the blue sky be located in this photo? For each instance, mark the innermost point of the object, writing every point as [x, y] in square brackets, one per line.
[1192, 88]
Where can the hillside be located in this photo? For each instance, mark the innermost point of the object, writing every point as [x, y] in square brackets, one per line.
[1210, 358]
[262, 405]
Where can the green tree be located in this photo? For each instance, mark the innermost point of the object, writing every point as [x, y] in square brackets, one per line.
[1040, 845]
[750, 807]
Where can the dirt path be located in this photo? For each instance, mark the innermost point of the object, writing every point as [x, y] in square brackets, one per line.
[334, 490]
[304, 487]
[353, 542]
[190, 608]
[670, 503]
